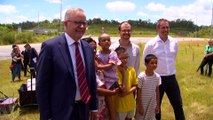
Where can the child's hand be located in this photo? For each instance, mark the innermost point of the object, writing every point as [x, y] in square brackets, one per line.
[140, 110]
[97, 58]
[122, 92]
[123, 88]
[157, 109]
[116, 90]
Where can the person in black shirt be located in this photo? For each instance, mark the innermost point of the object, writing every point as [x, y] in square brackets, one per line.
[33, 58]
[26, 59]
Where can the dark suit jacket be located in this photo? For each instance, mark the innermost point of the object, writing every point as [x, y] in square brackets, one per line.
[32, 55]
[56, 85]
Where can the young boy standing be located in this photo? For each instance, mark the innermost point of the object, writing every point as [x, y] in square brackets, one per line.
[148, 101]
[124, 102]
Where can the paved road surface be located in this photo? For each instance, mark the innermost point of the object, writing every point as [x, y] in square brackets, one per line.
[6, 50]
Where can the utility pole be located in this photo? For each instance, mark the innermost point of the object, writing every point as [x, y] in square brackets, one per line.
[60, 29]
[196, 28]
[212, 23]
[38, 20]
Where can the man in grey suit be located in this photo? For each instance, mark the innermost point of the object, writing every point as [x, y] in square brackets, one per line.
[58, 87]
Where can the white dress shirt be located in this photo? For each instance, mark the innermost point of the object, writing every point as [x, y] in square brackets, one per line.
[166, 53]
[71, 46]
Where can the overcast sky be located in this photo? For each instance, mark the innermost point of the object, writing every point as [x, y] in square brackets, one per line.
[198, 11]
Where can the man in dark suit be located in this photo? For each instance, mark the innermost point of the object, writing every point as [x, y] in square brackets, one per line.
[33, 58]
[58, 90]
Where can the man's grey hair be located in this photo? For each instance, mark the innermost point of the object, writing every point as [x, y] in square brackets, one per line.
[70, 11]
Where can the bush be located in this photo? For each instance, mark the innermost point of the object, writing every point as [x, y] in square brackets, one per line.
[24, 37]
[8, 38]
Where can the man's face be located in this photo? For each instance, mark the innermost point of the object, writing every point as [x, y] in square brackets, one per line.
[76, 25]
[125, 31]
[163, 29]
[27, 47]
[210, 43]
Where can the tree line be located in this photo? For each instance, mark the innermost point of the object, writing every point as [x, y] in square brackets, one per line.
[179, 23]
[179, 27]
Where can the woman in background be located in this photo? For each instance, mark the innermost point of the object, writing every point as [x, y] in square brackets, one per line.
[16, 61]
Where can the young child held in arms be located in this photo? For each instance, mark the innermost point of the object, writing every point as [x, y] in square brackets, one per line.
[103, 112]
[148, 101]
[124, 102]
[107, 60]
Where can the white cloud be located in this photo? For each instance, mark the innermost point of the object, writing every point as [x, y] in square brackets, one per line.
[120, 6]
[57, 16]
[54, 1]
[200, 12]
[15, 19]
[8, 9]
[142, 14]
[96, 16]
[155, 7]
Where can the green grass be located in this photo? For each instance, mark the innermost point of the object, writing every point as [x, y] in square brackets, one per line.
[11, 90]
[196, 90]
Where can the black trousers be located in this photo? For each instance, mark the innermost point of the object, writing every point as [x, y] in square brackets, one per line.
[208, 60]
[25, 69]
[170, 86]
[80, 111]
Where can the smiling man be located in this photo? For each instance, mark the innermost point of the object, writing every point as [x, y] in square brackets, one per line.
[165, 48]
[125, 31]
[66, 81]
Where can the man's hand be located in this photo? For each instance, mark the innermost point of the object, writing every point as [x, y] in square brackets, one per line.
[94, 115]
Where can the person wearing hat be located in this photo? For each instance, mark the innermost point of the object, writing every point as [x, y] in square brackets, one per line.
[33, 58]
[26, 59]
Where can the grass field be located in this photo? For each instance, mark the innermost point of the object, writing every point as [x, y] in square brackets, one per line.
[196, 90]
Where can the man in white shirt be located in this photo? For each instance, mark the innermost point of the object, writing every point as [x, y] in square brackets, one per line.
[165, 48]
[133, 50]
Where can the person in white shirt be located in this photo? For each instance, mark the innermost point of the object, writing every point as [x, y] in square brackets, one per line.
[165, 48]
[133, 50]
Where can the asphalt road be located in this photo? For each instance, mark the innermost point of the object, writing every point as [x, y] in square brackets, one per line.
[6, 50]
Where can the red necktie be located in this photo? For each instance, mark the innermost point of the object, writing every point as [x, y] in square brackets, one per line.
[82, 82]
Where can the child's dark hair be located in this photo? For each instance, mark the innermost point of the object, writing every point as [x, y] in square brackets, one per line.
[120, 50]
[149, 57]
[89, 39]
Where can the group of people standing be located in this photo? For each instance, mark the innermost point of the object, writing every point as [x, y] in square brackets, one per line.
[23, 60]
[113, 86]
